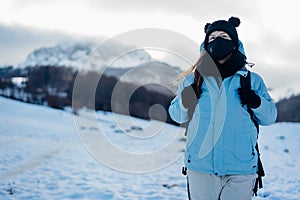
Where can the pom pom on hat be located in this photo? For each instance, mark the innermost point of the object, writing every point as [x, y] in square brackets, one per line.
[235, 21]
[206, 27]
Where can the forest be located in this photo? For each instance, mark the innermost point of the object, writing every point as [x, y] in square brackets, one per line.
[53, 86]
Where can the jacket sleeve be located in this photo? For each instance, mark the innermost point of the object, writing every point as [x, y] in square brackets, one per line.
[266, 113]
[177, 111]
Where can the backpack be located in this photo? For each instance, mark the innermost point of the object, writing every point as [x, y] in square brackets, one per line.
[245, 83]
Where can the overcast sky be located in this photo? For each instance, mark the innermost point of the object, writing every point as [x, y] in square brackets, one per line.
[269, 29]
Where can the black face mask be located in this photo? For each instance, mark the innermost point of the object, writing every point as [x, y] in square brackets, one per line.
[219, 48]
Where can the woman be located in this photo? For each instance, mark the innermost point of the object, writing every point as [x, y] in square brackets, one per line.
[220, 155]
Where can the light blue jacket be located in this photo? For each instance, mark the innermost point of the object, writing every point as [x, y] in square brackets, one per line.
[221, 136]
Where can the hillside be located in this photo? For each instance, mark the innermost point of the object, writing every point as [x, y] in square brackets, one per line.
[289, 109]
[49, 74]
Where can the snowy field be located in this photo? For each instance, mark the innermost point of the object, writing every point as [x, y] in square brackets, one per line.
[44, 155]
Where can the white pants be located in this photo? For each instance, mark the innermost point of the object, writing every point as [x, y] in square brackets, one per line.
[210, 187]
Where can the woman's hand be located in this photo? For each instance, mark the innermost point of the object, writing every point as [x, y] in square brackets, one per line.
[248, 97]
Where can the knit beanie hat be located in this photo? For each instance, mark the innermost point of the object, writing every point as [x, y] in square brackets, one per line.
[222, 25]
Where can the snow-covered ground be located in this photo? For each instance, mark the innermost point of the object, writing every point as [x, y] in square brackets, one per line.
[42, 156]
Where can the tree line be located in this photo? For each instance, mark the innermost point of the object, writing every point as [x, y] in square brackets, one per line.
[53, 86]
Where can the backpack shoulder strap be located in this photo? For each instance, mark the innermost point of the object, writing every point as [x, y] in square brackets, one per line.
[246, 83]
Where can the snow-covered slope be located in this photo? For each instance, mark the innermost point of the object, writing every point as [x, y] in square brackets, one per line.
[42, 157]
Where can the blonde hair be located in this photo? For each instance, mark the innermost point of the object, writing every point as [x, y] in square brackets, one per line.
[183, 74]
[204, 59]
[205, 66]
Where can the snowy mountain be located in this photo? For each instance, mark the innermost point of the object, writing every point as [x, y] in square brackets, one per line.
[43, 156]
[89, 55]
[134, 66]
